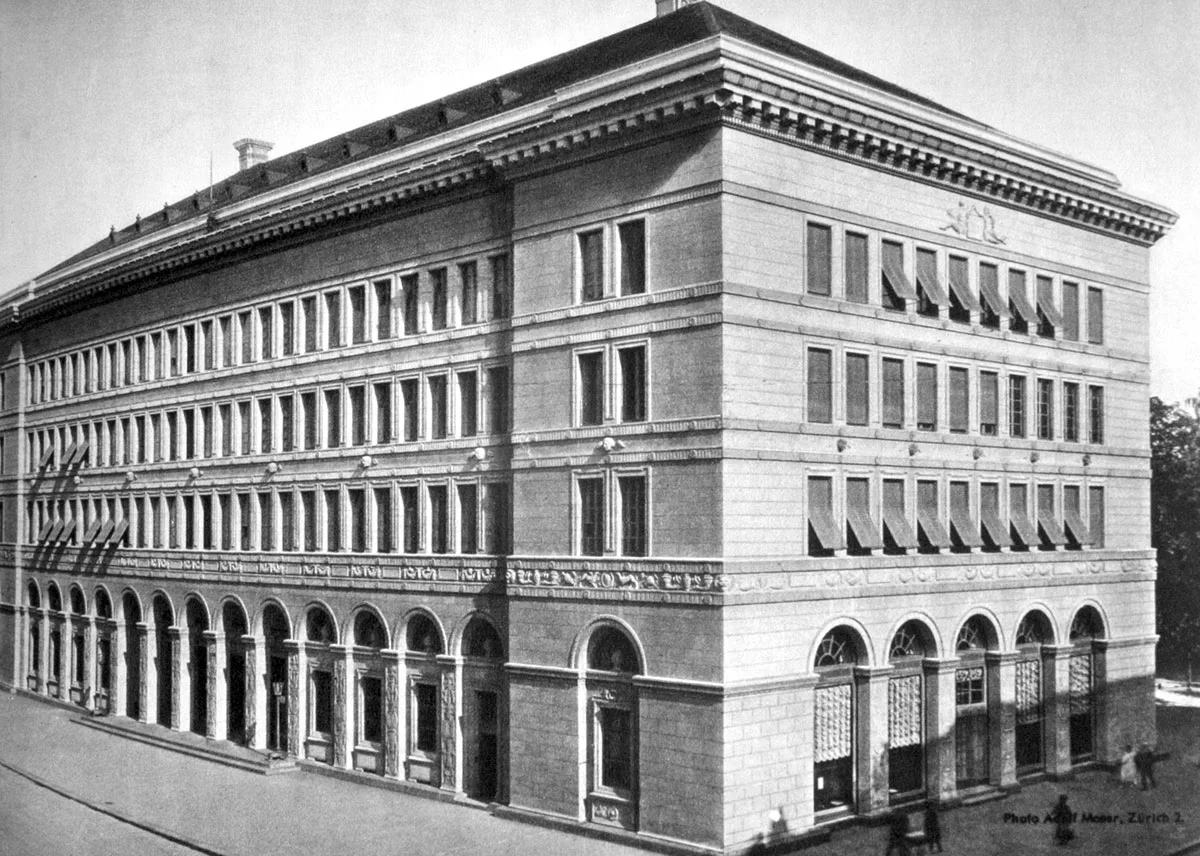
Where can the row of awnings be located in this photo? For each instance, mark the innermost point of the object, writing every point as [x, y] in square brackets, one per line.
[931, 284]
[98, 532]
[72, 455]
[1020, 531]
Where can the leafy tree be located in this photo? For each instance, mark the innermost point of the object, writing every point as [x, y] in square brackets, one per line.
[1175, 528]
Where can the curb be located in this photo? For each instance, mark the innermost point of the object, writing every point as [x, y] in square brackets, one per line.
[115, 814]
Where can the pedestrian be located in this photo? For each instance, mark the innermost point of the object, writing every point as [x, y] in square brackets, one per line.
[1062, 818]
[1128, 767]
[779, 826]
[933, 829]
[898, 835]
[1145, 765]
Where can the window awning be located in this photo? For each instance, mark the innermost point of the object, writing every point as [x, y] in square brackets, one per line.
[119, 530]
[69, 454]
[106, 529]
[45, 530]
[80, 452]
[897, 525]
[68, 530]
[1050, 528]
[1024, 529]
[1024, 308]
[928, 280]
[896, 278]
[1046, 304]
[995, 528]
[934, 531]
[1076, 528]
[46, 456]
[965, 527]
[90, 534]
[865, 530]
[55, 531]
[962, 290]
[822, 524]
[991, 293]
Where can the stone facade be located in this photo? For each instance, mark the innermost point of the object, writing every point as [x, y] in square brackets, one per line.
[649, 458]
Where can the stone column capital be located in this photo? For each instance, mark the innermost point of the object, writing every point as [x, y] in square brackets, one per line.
[210, 637]
[939, 665]
[1000, 658]
[873, 673]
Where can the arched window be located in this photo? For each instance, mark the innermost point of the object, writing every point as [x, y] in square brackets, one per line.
[33, 595]
[78, 607]
[1034, 629]
[833, 751]
[972, 716]
[839, 648]
[909, 641]
[54, 597]
[423, 636]
[481, 640]
[906, 690]
[103, 605]
[1086, 625]
[974, 635]
[610, 650]
[368, 630]
[319, 627]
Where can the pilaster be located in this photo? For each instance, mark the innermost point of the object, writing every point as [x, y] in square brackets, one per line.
[1002, 706]
[64, 658]
[940, 773]
[292, 725]
[343, 707]
[871, 738]
[91, 677]
[1056, 695]
[146, 677]
[44, 655]
[213, 722]
[392, 681]
[256, 699]
[179, 693]
[450, 730]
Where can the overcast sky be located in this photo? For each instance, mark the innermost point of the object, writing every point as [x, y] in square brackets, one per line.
[110, 109]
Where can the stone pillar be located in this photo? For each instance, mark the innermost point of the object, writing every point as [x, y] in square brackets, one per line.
[214, 723]
[343, 706]
[871, 739]
[256, 702]
[941, 774]
[180, 695]
[91, 676]
[1056, 707]
[44, 658]
[1002, 719]
[294, 702]
[392, 697]
[450, 731]
[65, 646]
[147, 679]
[219, 683]
[120, 673]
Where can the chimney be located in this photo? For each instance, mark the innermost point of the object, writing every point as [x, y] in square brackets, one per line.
[666, 7]
[252, 152]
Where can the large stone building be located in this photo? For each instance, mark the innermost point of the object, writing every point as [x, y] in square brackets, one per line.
[681, 429]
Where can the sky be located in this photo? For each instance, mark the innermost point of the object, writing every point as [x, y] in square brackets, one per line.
[109, 110]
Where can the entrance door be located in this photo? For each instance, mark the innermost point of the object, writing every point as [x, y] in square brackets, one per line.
[277, 711]
[487, 746]
[235, 677]
[1082, 728]
[1029, 716]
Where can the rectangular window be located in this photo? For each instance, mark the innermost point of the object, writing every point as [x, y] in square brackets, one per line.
[246, 336]
[223, 508]
[409, 295]
[188, 430]
[962, 299]
[498, 399]
[468, 278]
[498, 517]
[632, 364]
[1095, 414]
[1071, 412]
[1047, 313]
[931, 531]
[333, 521]
[266, 425]
[1095, 319]
[410, 508]
[1048, 529]
[206, 430]
[358, 314]
[632, 237]
[893, 393]
[172, 355]
[287, 423]
[209, 345]
[308, 412]
[501, 287]
[383, 309]
[357, 396]
[139, 427]
[225, 324]
[930, 294]
[927, 394]
[858, 391]
[824, 536]
[333, 319]
[1016, 406]
[308, 307]
[1018, 515]
[1070, 311]
[189, 348]
[468, 404]
[856, 268]
[964, 529]
[1045, 406]
[438, 409]
[591, 388]
[591, 516]
[225, 417]
[894, 284]
[266, 521]
[172, 435]
[989, 514]
[1021, 313]
[322, 688]
[439, 316]
[820, 385]
[383, 520]
[1096, 515]
[862, 533]
[1073, 525]
[410, 401]
[126, 361]
[287, 328]
[591, 264]
[634, 517]
[468, 519]
[439, 520]
[244, 521]
[247, 428]
[357, 501]
[426, 716]
[308, 507]
[333, 418]
[383, 412]
[819, 249]
[989, 403]
[371, 690]
[960, 401]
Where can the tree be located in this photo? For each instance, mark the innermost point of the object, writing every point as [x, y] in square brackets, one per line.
[1175, 527]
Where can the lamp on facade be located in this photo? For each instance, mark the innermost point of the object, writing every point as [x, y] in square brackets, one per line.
[273, 468]
[194, 473]
[366, 462]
